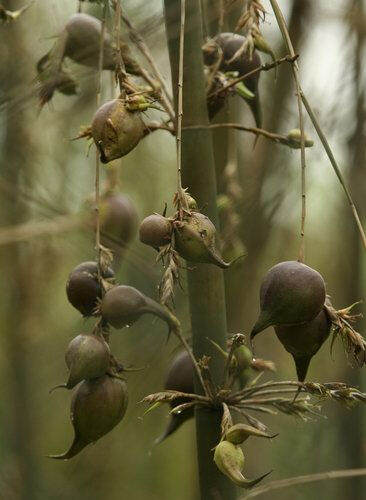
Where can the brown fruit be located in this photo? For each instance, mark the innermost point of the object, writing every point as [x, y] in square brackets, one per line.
[83, 44]
[118, 221]
[123, 305]
[180, 377]
[97, 407]
[116, 130]
[291, 293]
[83, 289]
[195, 240]
[87, 357]
[155, 231]
[304, 341]
[229, 44]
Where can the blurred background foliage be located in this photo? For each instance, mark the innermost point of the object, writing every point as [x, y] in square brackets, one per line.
[46, 177]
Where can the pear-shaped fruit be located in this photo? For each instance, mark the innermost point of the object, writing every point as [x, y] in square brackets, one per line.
[195, 240]
[83, 289]
[97, 407]
[87, 356]
[83, 44]
[180, 378]
[291, 293]
[304, 341]
[116, 130]
[123, 305]
[118, 222]
[229, 458]
[230, 44]
[156, 231]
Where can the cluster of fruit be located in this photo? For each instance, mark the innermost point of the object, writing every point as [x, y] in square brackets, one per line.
[100, 401]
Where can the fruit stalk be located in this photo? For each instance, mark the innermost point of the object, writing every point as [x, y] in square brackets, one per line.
[205, 282]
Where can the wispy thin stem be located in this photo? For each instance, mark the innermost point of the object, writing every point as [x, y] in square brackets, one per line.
[180, 100]
[120, 66]
[97, 164]
[263, 67]
[286, 37]
[294, 481]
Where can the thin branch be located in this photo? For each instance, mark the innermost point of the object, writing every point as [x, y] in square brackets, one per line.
[285, 35]
[279, 138]
[181, 196]
[263, 67]
[120, 65]
[97, 165]
[294, 481]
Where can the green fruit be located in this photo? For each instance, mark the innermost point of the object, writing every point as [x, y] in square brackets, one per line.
[229, 459]
[239, 433]
[87, 356]
[304, 341]
[97, 407]
[195, 240]
[291, 294]
[116, 130]
[123, 305]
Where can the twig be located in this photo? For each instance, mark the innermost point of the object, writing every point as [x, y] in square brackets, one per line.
[181, 197]
[281, 139]
[295, 72]
[141, 45]
[97, 165]
[293, 481]
[263, 67]
[120, 66]
[285, 35]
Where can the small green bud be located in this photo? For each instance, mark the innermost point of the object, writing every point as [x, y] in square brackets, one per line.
[239, 433]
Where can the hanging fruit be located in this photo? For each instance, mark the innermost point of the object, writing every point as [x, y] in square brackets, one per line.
[97, 407]
[123, 305]
[83, 288]
[195, 240]
[116, 130]
[233, 59]
[291, 293]
[180, 378]
[304, 341]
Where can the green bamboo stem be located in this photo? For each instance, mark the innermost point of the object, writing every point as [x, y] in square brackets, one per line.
[205, 282]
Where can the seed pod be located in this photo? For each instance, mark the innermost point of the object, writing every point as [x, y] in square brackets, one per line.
[116, 130]
[97, 407]
[87, 356]
[230, 44]
[180, 378]
[239, 433]
[304, 341]
[291, 293]
[123, 305]
[156, 231]
[83, 44]
[195, 240]
[294, 138]
[83, 289]
[118, 222]
[230, 460]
